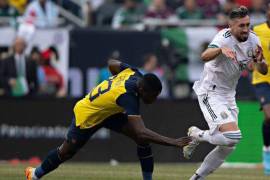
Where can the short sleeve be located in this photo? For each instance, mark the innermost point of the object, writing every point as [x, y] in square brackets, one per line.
[256, 40]
[124, 66]
[219, 39]
[130, 102]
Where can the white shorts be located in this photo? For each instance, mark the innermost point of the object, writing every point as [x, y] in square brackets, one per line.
[218, 109]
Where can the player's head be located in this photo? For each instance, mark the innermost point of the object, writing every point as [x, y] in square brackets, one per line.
[239, 23]
[149, 88]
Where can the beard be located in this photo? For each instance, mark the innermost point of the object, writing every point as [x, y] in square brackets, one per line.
[242, 38]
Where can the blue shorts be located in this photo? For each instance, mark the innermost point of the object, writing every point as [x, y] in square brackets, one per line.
[262, 91]
[79, 137]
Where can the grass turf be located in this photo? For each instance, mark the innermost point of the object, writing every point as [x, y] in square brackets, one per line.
[129, 171]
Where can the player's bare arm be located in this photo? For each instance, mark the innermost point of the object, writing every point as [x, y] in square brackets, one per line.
[145, 135]
[114, 66]
[259, 62]
[211, 53]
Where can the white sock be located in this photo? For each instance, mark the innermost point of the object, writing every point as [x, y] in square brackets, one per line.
[196, 177]
[266, 148]
[34, 177]
[213, 160]
[220, 139]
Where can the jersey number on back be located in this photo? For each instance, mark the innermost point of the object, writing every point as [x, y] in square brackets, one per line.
[100, 90]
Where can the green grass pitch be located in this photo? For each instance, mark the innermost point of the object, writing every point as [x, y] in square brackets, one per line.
[129, 171]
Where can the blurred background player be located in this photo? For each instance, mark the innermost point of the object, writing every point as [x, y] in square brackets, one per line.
[113, 104]
[226, 57]
[262, 88]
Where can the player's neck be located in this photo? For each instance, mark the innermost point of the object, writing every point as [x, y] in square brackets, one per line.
[236, 39]
[268, 23]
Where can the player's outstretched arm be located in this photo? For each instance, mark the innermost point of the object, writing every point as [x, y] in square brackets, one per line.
[211, 53]
[142, 135]
[114, 66]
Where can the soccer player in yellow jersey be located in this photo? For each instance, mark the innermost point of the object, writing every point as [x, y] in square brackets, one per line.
[262, 87]
[113, 104]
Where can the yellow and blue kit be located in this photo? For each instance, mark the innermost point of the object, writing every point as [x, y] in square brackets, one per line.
[262, 82]
[116, 95]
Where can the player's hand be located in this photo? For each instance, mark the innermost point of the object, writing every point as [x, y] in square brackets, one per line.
[183, 141]
[229, 53]
[258, 55]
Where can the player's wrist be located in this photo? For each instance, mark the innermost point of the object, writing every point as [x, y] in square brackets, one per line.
[220, 50]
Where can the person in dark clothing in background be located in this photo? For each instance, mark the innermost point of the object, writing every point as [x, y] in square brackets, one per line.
[17, 74]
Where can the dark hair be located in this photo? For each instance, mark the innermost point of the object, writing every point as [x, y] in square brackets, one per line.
[55, 51]
[240, 12]
[35, 49]
[151, 83]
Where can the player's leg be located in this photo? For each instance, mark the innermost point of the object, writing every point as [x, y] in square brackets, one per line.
[225, 141]
[212, 161]
[222, 122]
[227, 134]
[263, 95]
[266, 139]
[224, 133]
[76, 138]
[119, 123]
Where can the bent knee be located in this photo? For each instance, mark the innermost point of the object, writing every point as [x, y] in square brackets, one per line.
[67, 150]
[232, 137]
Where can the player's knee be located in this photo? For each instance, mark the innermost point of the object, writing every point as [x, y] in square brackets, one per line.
[66, 155]
[140, 137]
[67, 151]
[232, 138]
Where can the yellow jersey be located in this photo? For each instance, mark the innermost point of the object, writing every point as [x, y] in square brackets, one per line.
[118, 94]
[20, 5]
[263, 32]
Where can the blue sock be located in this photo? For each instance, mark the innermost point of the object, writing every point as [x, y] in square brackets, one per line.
[147, 175]
[51, 162]
[147, 162]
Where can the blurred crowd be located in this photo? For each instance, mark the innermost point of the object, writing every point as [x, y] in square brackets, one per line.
[36, 73]
[124, 14]
[30, 75]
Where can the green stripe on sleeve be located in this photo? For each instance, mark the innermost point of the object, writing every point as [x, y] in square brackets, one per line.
[212, 46]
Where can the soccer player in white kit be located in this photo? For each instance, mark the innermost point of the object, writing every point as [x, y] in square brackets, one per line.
[231, 51]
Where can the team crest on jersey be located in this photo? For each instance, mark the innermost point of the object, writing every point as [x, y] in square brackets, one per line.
[224, 115]
[250, 52]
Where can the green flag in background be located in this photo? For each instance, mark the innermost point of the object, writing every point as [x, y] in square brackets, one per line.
[21, 87]
[189, 43]
[147, 2]
[177, 38]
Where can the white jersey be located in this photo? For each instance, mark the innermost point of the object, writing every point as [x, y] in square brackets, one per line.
[222, 74]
